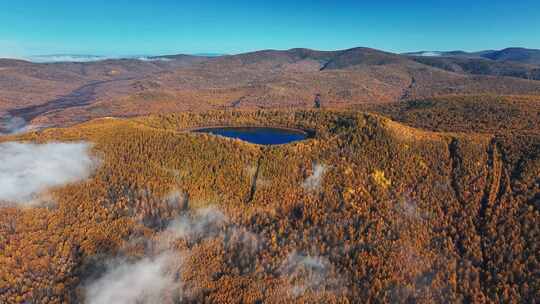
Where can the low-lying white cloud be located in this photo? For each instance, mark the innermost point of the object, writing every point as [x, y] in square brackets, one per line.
[28, 169]
[430, 54]
[206, 222]
[313, 182]
[144, 282]
[66, 58]
[146, 58]
[87, 58]
[156, 278]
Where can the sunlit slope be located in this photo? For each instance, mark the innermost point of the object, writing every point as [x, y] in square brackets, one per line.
[396, 213]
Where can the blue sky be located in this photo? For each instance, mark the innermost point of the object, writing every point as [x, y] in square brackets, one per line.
[137, 27]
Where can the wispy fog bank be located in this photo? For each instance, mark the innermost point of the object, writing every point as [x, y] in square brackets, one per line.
[155, 278]
[29, 169]
[66, 58]
[87, 58]
[305, 273]
[206, 222]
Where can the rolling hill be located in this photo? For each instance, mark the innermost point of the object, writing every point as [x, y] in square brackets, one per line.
[64, 93]
[519, 55]
[512, 62]
[515, 54]
[420, 185]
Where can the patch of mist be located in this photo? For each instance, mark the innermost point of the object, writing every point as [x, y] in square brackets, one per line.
[66, 58]
[407, 207]
[168, 254]
[144, 281]
[156, 277]
[419, 263]
[305, 273]
[146, 58]
[27, 170]
[430, 54]
[87, 58]
[206, 222]
[313, 182]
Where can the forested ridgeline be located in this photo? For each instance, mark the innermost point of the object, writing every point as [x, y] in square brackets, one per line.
[367, 210]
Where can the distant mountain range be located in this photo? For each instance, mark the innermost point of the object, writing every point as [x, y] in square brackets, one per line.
[62, 91]
[521, 55]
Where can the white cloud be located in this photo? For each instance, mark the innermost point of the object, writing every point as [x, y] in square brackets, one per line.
[156, 278]
[86, 58]
[313, 182]
[28, 169]
[142, 282]
[430, 54]
[66, 58]
[153, 58]
[206, 222]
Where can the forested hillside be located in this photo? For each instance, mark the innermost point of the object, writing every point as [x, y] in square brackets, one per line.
[442, 206]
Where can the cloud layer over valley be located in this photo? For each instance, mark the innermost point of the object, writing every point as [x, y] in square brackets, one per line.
[87, 58]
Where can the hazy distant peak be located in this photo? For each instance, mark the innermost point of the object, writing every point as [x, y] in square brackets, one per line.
[516, 54]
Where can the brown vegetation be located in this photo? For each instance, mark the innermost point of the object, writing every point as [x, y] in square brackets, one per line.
[61, 94]
[402, 214]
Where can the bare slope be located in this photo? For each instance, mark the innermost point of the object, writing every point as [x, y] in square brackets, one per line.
[58, 94]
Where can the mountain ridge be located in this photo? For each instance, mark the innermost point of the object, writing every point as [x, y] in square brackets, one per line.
[518, 54]
[512, 54]
[262, 79]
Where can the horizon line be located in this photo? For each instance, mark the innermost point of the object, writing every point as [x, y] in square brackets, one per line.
[102, 57]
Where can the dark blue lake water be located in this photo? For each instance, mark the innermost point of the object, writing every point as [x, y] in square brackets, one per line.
[258, 135]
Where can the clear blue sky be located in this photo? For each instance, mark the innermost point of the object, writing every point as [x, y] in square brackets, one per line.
[122, 27]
